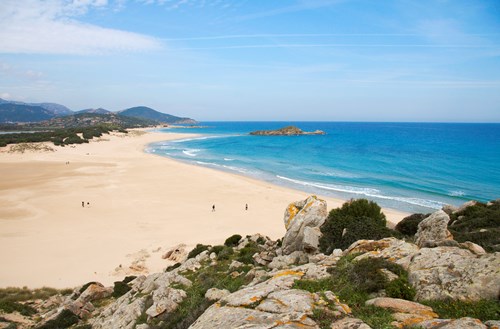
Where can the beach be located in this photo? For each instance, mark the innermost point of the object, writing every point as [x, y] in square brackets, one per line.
[104, 210]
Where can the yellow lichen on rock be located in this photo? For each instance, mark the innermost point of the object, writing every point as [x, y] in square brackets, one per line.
[288, 272]
[292, 211]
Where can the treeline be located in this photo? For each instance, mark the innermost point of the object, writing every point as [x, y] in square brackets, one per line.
[61, 136]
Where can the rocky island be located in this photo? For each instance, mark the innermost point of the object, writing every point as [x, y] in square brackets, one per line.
[286, 131]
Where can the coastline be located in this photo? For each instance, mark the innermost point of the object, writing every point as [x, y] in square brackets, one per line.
[140, 206]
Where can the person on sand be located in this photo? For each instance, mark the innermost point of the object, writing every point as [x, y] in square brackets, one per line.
[83, 203]
[246, 206]
[213, 208]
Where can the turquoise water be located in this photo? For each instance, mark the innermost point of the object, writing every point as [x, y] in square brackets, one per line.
[415, 167]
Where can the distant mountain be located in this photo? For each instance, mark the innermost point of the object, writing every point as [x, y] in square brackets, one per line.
[144, 112]
[54, 108]
[94, 119]
[94, 111]
[10, 112]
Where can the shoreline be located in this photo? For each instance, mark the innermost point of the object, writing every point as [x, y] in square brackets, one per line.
[139, 207]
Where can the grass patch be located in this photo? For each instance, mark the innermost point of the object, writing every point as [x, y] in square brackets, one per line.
[246, 253]
[453, 309]
[375, 317]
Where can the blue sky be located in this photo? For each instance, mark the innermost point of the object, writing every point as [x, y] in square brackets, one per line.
[334, 60]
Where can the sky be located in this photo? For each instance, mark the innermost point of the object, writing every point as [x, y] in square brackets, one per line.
[258, 60]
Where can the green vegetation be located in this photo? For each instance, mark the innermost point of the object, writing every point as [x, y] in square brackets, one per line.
[453, 309]
[233, 240]
[353, 282]
[24, 294]
[10, 307]
[120, 288]
[246, 253]
[409, 225]
[479, 224]
[197, 250]
[355, 220]
[207, 277]
[59, 136]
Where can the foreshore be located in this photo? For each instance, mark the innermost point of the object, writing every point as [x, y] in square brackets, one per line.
[104, 210]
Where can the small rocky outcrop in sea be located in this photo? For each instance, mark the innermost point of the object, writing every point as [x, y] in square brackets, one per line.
[255, 282]
[286, 131]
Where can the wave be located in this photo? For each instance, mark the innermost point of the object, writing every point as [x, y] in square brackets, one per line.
[331, 187]
[201, 138]
[191, 152]
[337, 174]
[228, 159]
[369, 192]
[456, 193]
[232, 168]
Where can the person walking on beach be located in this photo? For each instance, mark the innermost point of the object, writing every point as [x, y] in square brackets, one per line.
[246, 206]
[213, 208]
[83, 204]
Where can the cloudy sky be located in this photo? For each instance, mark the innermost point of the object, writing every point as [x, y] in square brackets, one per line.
[334, 60]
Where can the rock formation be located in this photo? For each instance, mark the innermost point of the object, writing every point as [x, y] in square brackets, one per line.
[286, 131]
[260, 284]
[302, 221]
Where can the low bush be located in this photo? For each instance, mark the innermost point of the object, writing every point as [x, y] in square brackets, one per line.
[120, 288]
[355, 220]
[197, 250]
[233, 240]
[10, 307]
[409, 225]
[479, 224]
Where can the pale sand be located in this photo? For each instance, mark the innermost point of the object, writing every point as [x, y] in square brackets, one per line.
[139, 203]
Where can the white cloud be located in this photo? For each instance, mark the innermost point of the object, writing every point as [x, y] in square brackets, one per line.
[50, 27]
[5, 95]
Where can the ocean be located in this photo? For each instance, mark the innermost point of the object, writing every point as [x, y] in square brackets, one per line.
[413, 167]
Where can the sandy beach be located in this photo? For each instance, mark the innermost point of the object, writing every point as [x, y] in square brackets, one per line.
[139, 206]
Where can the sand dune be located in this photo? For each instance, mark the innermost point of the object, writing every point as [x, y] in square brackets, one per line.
[140, 205]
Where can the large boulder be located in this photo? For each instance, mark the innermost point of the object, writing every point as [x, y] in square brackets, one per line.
[391, 249]
[302, 221]
[448, 272]
[433, 230]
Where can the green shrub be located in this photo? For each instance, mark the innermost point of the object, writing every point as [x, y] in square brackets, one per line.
[233, 240]
[65, 319]
[400, 288]
[479, 224]
[120, 289]
[409, 225]
[453, 309]
[261, 240]
[10, 307]
[197, 250]
[129, 278]
[355, 220]
[342, 232]
[225, 253]
[173, 267]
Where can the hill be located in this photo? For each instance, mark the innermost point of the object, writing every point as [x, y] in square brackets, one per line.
[95, 111]
[144, 112]
[94, 119]
[10, 112]
[53, 108]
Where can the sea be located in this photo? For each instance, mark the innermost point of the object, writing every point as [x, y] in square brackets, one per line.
[412, 167]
